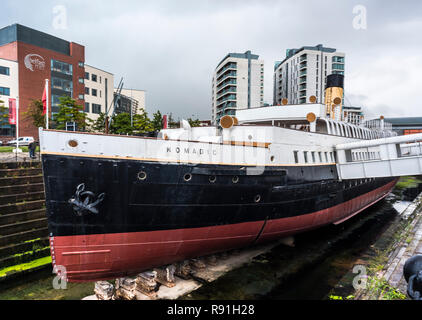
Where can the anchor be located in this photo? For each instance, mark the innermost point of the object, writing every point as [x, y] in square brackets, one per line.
[85, 201]
[412, 271]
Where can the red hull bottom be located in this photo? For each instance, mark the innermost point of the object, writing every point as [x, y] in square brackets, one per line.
[109, 256]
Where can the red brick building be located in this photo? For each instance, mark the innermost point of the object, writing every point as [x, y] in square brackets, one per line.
[41, 56]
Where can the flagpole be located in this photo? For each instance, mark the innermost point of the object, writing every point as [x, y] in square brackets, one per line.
[47, 95]
[17, 125]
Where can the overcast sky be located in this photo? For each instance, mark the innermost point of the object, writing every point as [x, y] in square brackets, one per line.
[171, 48]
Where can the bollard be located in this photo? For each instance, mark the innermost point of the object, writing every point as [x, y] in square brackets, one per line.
[412, 271]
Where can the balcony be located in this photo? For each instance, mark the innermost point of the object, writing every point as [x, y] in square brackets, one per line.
[302, 94]
[302, 80]
[303, 66]
[303, 58]
[231, 97]
[303, 73]
[231, 65]
[224, 92]
[231, 74]
[223, 85]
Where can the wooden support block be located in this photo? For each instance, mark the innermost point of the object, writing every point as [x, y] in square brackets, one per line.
[211, 260]
[146, 282]
[197, 264]
[104, 290]
[165, 276]
[183, 270]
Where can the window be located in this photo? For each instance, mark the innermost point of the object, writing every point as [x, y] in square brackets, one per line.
[86, 75]
[94, 77]
[313, 157]
[4, 91]
[5, 71]
[81, 80]
[81, 64]
[86, 107]
[81, 97]
[305, 155]
[338, 66]
[62, 84]
[86, 90]
[61, 67]
[296, 155]
[94, 92]
[96, 108]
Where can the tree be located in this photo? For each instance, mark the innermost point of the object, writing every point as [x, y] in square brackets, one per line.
[69, 111]
[121, 124]
[172, 123]
[35, 113]
[194, 123]
[141, 123]
[4, 114]
[99, 124]
[157, 121]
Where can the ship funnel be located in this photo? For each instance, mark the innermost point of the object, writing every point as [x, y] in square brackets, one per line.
[334, 92]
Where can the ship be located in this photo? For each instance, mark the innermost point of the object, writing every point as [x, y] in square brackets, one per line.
[120, 205]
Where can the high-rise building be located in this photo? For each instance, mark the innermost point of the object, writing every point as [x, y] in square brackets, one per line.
[238, 83]
[303, 73]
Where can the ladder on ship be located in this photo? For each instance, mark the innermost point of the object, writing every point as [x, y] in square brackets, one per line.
[387, 157]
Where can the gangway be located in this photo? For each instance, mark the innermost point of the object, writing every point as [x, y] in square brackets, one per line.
[386, 157]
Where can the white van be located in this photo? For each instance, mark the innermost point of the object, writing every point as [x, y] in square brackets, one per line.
[23, 141]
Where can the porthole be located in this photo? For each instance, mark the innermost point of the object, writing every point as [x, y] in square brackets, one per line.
[213, 179]
[272, 158]
[235, 180]
[250, 137]
[73, 143]
[142, 175]
[258, 198]
[187, 177]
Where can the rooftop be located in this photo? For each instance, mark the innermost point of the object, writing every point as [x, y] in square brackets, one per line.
[17, 32]
[246, 55]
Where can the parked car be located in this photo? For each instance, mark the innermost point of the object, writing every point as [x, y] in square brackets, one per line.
[23, 141]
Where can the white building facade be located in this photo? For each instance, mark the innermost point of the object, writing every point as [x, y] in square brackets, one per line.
[238, 83]
[303, 74]
[99, 91]
[9, 89]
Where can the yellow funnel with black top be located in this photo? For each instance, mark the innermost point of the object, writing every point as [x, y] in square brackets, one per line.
[334, 92]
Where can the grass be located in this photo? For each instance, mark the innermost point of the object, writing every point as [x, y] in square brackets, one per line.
[10, 149]
[25, 266]
[408, 182]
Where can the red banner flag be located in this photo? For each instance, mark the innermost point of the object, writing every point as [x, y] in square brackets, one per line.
[44, 100]
[12, 111]
[165, 122]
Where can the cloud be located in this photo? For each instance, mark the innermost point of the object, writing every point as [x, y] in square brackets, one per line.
[171, 48]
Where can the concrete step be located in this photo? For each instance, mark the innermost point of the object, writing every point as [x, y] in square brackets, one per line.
[19, 189]
[12, 218]
[20, 165]
[24, 236]
[24, 257]
[10, 229]
[7, 209]
[21, 180]
[8, 173]
[21, 247]
[17, 198]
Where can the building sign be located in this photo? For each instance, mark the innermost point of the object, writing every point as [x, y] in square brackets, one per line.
[34, 62]
[12, 111]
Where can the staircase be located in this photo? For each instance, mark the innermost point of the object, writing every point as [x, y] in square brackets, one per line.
[24, 243]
